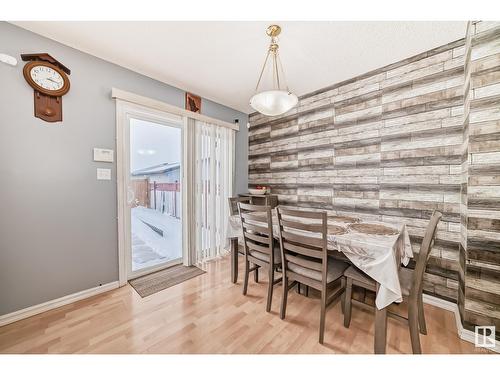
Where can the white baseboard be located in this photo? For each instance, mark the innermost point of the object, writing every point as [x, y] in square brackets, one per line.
[49, 305]
[463, 333]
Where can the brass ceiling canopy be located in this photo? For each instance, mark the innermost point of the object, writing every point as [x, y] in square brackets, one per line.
[273, 31]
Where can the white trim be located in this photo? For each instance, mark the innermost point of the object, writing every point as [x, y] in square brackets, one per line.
[55, 303]
[120, 187]
[124, 111]
[162, 106]
[189, 183]
[463, 333]
[441, 303]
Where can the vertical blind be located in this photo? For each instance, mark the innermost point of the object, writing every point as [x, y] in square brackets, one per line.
[214, 154]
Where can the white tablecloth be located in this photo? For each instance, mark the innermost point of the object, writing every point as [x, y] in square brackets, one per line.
[376, 255]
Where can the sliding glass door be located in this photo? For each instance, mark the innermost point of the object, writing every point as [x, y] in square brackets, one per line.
[175, 175]
[153, 181]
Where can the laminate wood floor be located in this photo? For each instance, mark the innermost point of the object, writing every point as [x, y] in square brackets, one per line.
[209, 314]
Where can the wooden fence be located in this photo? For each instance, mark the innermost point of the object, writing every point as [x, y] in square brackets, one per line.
[161, 196]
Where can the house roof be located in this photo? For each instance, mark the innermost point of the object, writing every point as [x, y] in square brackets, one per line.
[156, 169]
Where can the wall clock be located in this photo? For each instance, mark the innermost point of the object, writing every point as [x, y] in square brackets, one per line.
[49, 79]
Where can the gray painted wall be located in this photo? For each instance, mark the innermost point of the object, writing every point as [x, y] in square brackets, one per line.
[58, 225]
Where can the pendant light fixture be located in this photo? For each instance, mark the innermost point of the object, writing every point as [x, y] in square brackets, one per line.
[276, 101]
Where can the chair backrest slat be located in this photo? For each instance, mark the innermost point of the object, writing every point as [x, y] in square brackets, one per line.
[253, 227]
[424, 254]
[302, 226]
[257, 238]
[302, 250]
[302, 214]
[317, 266]
[255, 216]
[253, 207]
[299, 238]
[261, 249]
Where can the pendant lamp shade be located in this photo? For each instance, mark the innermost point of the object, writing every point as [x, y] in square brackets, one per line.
[273, 102]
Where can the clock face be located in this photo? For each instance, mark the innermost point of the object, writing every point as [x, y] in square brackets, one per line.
[47, 77]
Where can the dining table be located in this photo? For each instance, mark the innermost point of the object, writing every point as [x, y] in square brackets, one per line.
[379, 256]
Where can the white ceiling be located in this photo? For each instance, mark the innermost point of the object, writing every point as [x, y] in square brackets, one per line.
[221, 61]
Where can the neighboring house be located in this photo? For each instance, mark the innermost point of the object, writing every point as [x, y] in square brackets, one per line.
[158, 187]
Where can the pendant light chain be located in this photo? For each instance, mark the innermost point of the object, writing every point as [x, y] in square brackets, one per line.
[276, 65]
[275, 55]
[262, 71]
[283, 74]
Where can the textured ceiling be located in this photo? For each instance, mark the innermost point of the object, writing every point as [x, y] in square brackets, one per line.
[221, 61]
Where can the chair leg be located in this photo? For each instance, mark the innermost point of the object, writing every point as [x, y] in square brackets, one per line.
[256, 275]
[380, 342]
[342, 297]
[270, 289]
[234, 260]
[413, 324]
[363, 295]
[322, 317]
[421, 316]
[298, 288]
[245, 280]
[306, 292]
[347, 303]
[284, 298]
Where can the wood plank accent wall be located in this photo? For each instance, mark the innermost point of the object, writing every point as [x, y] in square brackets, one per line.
[464, 173]
[395, 144]
[480, 256]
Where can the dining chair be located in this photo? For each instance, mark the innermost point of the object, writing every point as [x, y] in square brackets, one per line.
[411, 287]
[260, 247]
[233, 204]
[305, 258]
[233, 210]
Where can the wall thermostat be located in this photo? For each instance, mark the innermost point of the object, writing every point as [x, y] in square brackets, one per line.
[103, 154]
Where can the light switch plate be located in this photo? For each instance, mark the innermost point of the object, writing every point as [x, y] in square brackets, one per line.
[103, 174]
[103, 154]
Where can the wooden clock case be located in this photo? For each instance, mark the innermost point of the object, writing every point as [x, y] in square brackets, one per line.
[47, 103]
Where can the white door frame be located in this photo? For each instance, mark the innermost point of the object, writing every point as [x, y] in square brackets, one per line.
[124, 111]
